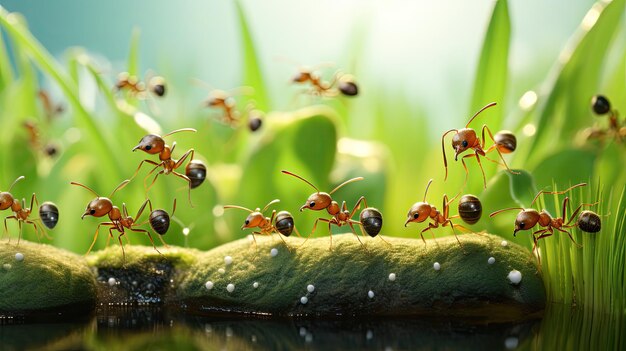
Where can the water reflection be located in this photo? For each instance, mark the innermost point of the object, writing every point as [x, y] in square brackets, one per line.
[151, 328]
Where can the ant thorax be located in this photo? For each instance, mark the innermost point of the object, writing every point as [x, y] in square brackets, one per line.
[334, 208]
[115, 214]
[166, 154]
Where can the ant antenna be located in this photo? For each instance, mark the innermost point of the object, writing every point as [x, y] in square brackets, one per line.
[346, 182]
[481, 110]
[426, 192]
[86, 187]
[269, 204]
[443, 149]
[239, 207]
[306, 181]
[506, 209]
[15, 181]
[179, 130]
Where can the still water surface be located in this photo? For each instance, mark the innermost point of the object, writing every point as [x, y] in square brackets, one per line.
[155, 328]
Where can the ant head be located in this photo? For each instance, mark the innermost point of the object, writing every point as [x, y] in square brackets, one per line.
[301, 76]
[254, 219]
[526, 220]
[6, 200]
[418, 213]
[317, 201]
[464, 139]
[98, 207]
[151, 143]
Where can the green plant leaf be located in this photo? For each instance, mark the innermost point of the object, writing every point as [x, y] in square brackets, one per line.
[566, 108]
[564, 168]
[252, 75]
[522, 187]
[492, 70]
[133, 53]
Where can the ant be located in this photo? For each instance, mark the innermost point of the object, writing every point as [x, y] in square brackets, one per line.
[119, 220]
[465, 139]
[50, 149]
[320, 200]
[602, 106]
[346, 83]
[20, 211]
[137, 88]
[50, 108]
[421, 211]
[528, 218]
[154, 144]
[281, 223]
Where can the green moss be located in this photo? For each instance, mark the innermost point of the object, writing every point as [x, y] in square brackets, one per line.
[46, 278]
[465, 284]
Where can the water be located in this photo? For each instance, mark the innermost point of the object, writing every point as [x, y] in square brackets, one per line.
[158, 328]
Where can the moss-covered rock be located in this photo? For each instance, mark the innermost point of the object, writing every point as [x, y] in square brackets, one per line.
[483, 278]
[394, 278]
[42, 277]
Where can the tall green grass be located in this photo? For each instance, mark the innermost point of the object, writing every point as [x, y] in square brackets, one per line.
[397, 155]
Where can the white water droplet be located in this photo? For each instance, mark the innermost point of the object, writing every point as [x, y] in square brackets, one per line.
[504, 243]
[304, 300]
[112, 281]
[515, 276]
[436, 266]
[186, 231]
[230, 287]
[208, 285]
[392, 276]
[511, 343]
[6, 266]
[491, 260]
[370, 294]
[19, 257]
[255, 285]
[228, 260]
[310, 288]
[221, 271]
[274, 252]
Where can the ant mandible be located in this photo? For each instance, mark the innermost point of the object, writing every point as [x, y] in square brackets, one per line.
[320, 200]
[465, 139]
[119, 220]
[20, 211]
[528, 218]
[281, 223]
[421, 211]
[154, 144]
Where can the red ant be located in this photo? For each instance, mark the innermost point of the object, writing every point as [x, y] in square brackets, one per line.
[465, 139]
[119, 220]
[528, 218]
[421, 211]
[346, 83]
[154, 144]
[341, 216]
[20, 211]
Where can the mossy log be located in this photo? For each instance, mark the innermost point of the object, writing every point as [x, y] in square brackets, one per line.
[482, 278]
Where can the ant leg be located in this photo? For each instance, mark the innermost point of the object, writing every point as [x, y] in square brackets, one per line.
[357, 206]
[570, 236]
[149, 237]
[6, 229]
[119, 238]
[33, 199]
[498, 150]
[448, 221]
[430, 226]
[153, 180]
[19, 224]
[147, 161]
[576, 212]
[188, 181]
[351, 223]
[284, 242]
[182, 159]
[95, 236]
[466, 170]
[143, 206]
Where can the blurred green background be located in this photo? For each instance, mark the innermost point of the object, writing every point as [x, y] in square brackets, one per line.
[423, 68]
